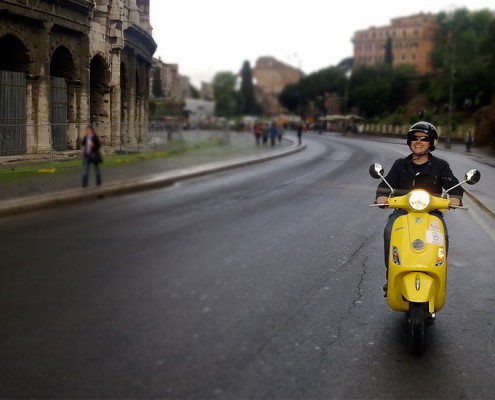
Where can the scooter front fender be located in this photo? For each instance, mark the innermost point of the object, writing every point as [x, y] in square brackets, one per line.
[418, 287]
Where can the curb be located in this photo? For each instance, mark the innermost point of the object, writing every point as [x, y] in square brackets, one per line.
[20, 206]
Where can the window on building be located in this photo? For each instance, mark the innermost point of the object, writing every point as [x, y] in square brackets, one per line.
[416, 32]
[373, 34]
[373, 46]
[403, 57]
[414, 56]
[404, 33]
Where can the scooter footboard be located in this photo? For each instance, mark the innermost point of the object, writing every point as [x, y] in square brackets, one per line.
[418, 287]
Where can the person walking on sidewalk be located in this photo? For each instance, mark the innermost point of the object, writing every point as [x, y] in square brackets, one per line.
[468, 139]
[299, 132]
[258, 133]
[91, 146]
[273, 134]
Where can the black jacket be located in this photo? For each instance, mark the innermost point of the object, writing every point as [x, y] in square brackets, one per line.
[94, 155]
[435, 176]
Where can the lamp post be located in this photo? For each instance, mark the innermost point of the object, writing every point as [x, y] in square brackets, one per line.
[448, 141]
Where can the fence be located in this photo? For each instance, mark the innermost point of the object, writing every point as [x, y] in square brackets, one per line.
[63, 140]
[458, 133]
[13, 130]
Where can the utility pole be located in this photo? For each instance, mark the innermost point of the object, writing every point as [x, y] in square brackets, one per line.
[448, 142]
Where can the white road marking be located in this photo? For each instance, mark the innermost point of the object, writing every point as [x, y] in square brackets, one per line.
[481, 222]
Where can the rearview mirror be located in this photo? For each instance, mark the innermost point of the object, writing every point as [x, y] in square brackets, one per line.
[376, 171]
[472, 176]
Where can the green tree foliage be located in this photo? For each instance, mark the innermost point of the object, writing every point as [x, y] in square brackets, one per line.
[298, 95]
[157, 88]
[249, 106]
[464, 42]
[194, 92]
[378, 90]
[389, 53]
[226, 98]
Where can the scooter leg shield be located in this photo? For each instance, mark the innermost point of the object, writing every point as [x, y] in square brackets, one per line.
[418, 287]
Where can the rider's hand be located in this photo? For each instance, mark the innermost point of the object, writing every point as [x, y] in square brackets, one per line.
[454, 201]
[382, 200]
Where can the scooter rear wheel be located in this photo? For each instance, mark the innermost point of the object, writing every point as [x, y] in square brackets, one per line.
[417, 327]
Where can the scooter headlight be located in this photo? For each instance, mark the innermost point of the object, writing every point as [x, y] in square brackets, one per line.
[419, 200]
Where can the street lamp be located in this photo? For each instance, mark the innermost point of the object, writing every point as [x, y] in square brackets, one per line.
[448, 142]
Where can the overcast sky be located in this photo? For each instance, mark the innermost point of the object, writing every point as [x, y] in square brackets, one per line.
[207, 36]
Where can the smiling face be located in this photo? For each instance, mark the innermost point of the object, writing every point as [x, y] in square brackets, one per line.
[420, 146]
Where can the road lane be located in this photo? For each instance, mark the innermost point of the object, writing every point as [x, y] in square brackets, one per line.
[261, 282]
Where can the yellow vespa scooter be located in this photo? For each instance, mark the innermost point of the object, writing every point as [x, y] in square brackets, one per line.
[417, 267]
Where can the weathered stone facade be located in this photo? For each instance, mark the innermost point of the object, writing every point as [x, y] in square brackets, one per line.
[413, 39]
[271, 76]
[169, 75]
[102, 50]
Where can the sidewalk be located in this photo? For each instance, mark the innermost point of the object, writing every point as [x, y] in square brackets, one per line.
[23, 180]
[484, 155]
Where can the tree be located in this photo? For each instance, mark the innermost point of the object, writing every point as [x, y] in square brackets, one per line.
[247, 90]
[225, 94]
[194, 92]
[157, 88]
[389, 54]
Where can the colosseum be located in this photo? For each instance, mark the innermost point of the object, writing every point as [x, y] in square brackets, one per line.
[68, 63]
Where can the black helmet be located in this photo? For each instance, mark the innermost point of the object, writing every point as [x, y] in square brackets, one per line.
[423, 127]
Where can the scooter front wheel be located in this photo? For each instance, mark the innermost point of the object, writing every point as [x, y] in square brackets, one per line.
[417, 326]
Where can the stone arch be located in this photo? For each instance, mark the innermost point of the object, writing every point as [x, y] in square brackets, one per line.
[62, 64]
[18, 59]
[99, 89]
[124, 103]
[62, 95]
[137, 110]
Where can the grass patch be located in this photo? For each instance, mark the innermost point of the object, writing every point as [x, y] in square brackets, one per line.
[174, 149]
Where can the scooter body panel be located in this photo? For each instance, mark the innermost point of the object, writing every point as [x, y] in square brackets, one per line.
[414, 273]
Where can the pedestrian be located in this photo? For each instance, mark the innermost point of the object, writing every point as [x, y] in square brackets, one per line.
[468, 139]
[273, 134]
[280, 132]
[265, 134]
[299, 132]
[92, 155]
[258, 132]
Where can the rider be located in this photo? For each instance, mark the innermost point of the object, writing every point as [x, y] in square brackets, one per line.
[419, 170]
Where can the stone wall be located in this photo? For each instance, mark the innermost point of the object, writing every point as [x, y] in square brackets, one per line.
[271, 77]
[102, 49]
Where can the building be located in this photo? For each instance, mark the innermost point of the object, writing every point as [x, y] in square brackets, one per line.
[413, 39]
[271, 76]
[207, 92]
[169, 75]
[183, 89]
[199, 111]
[66, 64]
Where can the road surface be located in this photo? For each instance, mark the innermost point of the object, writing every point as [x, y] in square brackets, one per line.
[261, 282]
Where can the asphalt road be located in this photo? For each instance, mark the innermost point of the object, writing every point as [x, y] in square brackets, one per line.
[262, 282]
